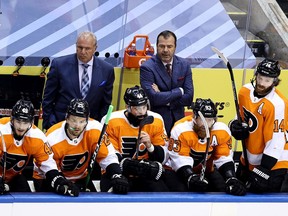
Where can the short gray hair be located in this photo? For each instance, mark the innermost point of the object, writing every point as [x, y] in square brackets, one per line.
[87, 34]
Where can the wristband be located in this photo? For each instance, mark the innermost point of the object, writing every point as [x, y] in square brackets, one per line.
[151, 148]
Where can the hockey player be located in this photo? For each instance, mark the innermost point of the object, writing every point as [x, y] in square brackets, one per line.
[73, 142]
[187, 148]
[263, 109]
[24, 141]
[144, 173]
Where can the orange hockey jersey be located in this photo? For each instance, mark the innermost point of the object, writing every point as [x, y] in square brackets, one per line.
[32, 145]
[124, 136]
[267, 119]
[185, 148]
[73, 156]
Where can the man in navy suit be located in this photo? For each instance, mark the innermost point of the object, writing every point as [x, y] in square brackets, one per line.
[65, 81]
[169, 90]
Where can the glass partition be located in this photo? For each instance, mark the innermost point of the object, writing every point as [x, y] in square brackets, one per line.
[263, 25]
[32, 29]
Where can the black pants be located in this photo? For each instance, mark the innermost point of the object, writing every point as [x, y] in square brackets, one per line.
[176, 184]
[284, 186]
[216, 181]
[146, 185]
[42, 185]
[19, 184]
[137, 185]
[278, 181]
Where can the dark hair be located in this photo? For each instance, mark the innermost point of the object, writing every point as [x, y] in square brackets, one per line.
[166, 34]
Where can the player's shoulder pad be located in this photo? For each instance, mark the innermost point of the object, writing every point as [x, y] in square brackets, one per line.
[114, 115]
[36, 133]
[181, 127]
[154, 114]
[221, 126]
[93, 124]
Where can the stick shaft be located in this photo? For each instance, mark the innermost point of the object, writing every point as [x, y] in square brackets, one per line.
[145, 121]
[225, 60]
[207, 145]
[238, 113]
[138, 143]
[95, 153]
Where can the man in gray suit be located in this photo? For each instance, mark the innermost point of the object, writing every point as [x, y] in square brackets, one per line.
[78, 75]
[167, 80]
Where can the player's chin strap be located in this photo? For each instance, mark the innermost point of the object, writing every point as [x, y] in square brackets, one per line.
[253, 81]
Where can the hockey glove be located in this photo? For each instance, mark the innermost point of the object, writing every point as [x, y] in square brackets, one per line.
[64, 187]
[120, 184]
[152, 170]
[3, 187]
[259, 179]
[235, 187]
[239, 131]
[196, 184]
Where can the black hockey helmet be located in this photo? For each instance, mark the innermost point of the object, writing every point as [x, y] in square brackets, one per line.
[78, 107]
[269, 68]
[205, 106]
[135, 96]
[23, 110]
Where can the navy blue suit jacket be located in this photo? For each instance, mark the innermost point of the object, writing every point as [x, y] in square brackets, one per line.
[62, 86]
[169, 102]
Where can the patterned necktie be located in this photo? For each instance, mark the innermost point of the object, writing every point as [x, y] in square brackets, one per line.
[168, 69]
[85, 81]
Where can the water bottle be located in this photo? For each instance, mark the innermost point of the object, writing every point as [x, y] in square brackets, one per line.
[132, 50]
[149, 51]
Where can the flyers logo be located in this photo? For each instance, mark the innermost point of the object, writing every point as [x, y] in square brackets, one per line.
[128, 146]
[142, 150]
[199, 156]
[15, 162]
[74, 162]
[251, 120]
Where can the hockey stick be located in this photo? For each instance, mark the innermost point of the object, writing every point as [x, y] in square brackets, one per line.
[207, 145]
[145, 121]
[95, 153]
[227, 63]
[4, 156]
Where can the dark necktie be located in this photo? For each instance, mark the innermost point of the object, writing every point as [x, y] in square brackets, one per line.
[168, 69]
[85, 81]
